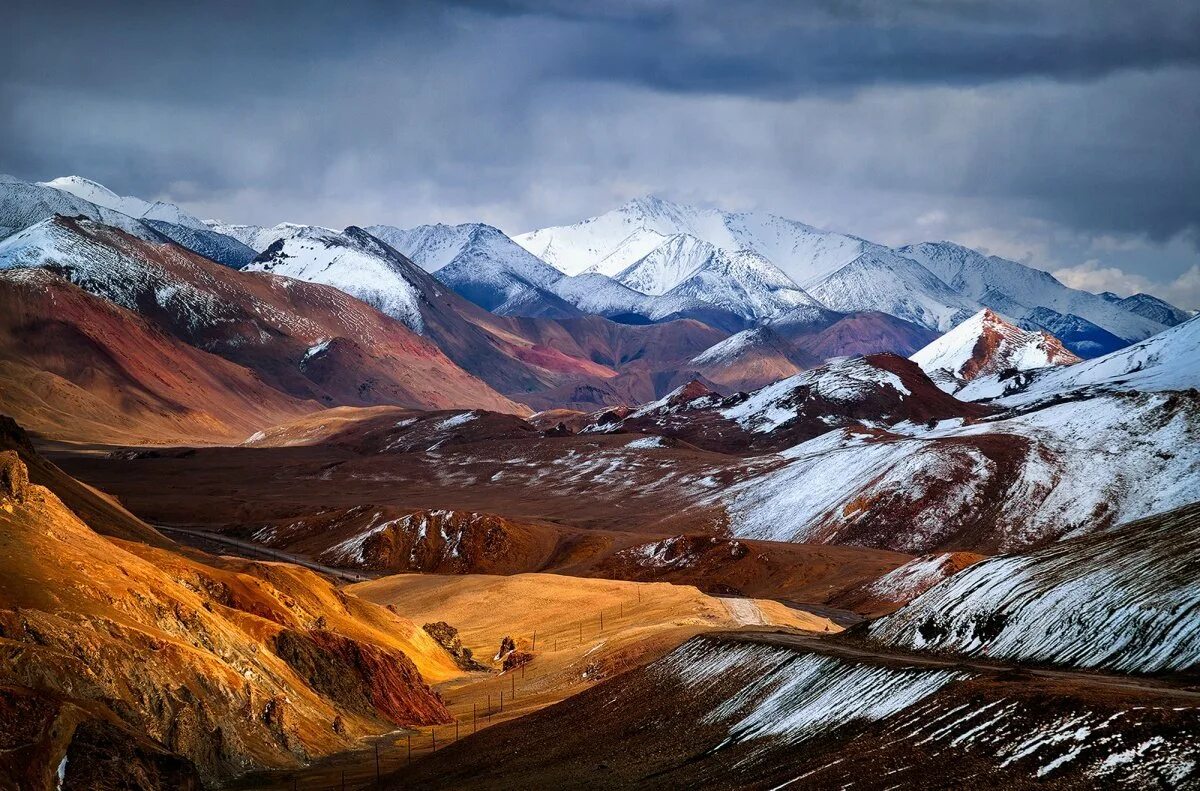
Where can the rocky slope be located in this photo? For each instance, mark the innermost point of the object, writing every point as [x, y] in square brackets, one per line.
[880, 389]
[186, 665]
[305, 340]
[1123, 599]
[80, 367]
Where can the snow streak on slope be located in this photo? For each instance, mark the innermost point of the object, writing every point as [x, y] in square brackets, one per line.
[1015, 289]
[987, 345]
[1127, 599]
[792, 696]
[320, 255]
[134, 207]
[1007, 483]
[915, 577]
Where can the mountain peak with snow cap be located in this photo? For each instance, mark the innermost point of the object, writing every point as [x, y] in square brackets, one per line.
[987, 344]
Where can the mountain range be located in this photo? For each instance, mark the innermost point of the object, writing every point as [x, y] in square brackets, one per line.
[737, 300]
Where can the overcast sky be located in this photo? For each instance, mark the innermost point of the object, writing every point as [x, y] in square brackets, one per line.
[1061, 133]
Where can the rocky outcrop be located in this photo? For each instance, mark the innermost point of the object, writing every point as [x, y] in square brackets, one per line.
[447, 637]
[14, 479]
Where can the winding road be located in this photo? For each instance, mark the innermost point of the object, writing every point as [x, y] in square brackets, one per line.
[248, 549]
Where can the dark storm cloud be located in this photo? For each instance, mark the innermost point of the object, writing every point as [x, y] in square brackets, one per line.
[784, 49]
[1040, 124]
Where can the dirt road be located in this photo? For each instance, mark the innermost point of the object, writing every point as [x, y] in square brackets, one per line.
[879, 654]
[205, 540]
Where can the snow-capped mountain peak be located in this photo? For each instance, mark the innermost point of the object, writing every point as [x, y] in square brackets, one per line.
[352, 261]
[987, 345]
[140, 209]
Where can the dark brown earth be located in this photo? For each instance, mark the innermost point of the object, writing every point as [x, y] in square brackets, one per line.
[656, 735]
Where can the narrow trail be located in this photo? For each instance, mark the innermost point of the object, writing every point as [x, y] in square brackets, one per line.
[254, 551]
[857, 651]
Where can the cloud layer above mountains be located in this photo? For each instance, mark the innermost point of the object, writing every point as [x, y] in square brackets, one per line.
[1060, 133]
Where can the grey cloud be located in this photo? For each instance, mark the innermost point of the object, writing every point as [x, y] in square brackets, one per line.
[1032, 126]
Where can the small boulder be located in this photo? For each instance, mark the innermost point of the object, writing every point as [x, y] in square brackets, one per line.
[514, 659]
[507, 646]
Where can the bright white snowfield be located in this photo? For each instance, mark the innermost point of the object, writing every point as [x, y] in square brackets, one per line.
[614, 241]
[345, 262]
[1125, 600]
[986, 344]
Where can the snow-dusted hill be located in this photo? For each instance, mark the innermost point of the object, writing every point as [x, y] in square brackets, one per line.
[483, 265]
[1149, 307]
[137, 208]
[1125, 599]
[23, 204]
[1015, 289]
[207, 242]
[1167, 361]
[349, 261]
[601, 295]
[987, 345]
[256, 237]
[986, 485]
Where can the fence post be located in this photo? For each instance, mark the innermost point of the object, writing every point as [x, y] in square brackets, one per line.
[376, 761]
[534, 648]
[408, 758]
[472, 718]
[602, 621]
[433, 736]
[501, 701]
[514, 687]
[456, 729]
